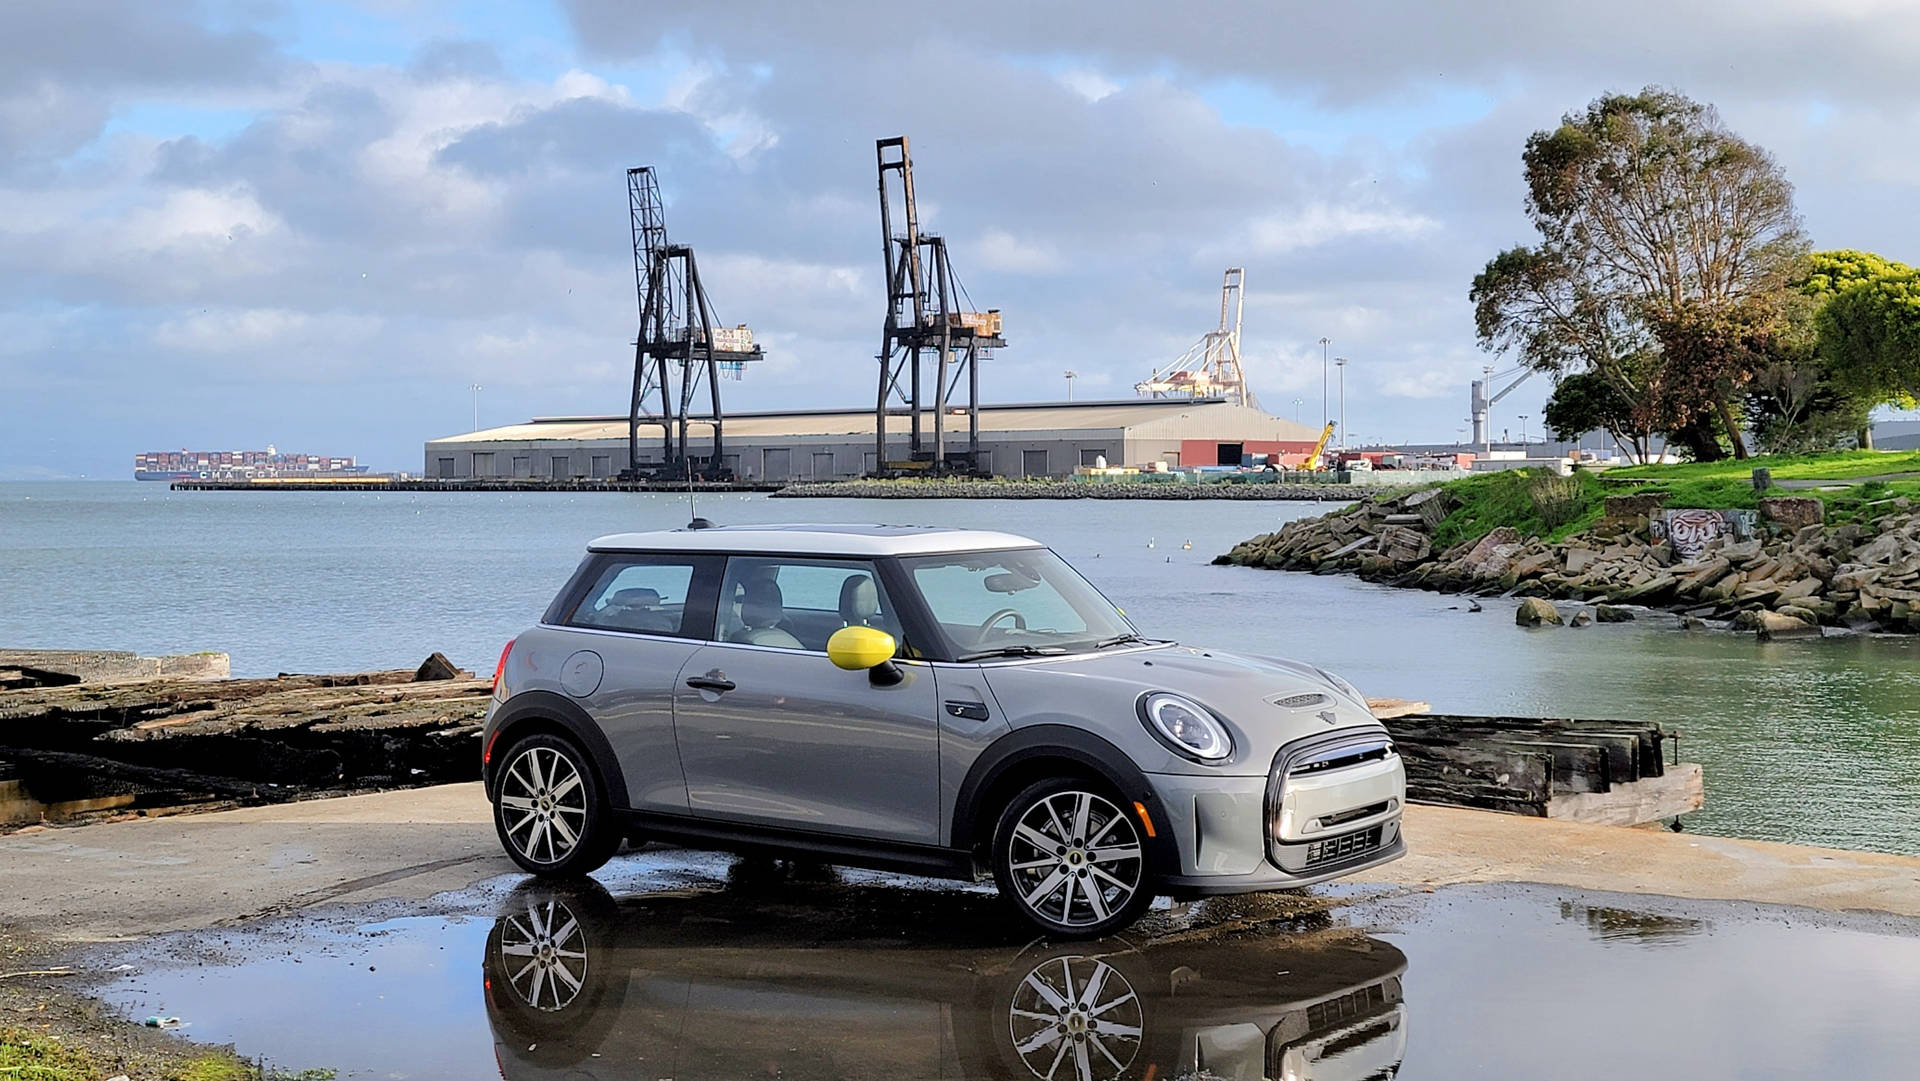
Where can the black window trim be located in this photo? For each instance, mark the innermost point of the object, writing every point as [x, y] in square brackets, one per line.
[697, 614]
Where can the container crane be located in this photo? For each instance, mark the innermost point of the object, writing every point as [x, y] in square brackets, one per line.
[1482, 405]
[677, 348]
[926, 331]
[1211, 367]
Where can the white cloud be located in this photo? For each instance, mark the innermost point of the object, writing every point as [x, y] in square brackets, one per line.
[1090, 85]
[1001, 250]
[1320, 223]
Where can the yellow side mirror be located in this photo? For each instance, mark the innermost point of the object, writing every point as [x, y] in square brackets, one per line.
[858, 649]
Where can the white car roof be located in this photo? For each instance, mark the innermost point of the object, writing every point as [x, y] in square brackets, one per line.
[814, 540]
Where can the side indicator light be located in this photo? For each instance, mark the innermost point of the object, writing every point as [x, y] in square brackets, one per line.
[1145, 819]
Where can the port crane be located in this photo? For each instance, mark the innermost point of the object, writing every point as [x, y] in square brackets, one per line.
[1312, 461]
[927, 332]
[1210, 368]
[1482, 405]
[677, 349]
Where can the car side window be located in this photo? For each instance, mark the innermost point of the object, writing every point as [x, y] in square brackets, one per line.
[643, 594]
[798, 603]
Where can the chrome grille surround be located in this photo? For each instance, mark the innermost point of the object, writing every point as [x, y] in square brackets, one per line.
[1319, 754]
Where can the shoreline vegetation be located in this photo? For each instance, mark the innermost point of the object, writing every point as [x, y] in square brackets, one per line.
[969, 488]
[1839, 549]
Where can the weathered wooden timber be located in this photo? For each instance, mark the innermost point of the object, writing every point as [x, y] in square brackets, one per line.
[177, 741]
[492, 484]
[72, 745]
[1612, 772]
[24, 668]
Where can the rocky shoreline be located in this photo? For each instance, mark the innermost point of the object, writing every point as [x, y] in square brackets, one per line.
[1795, 575]
[1016, 489]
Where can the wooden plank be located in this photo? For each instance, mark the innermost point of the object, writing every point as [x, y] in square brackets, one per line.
[1577, 767]
[1681, 790]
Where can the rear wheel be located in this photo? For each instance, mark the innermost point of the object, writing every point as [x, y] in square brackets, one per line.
[549, 810]
[1070, 860]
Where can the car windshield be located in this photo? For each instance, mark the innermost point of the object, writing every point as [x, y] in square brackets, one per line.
[1014, 602]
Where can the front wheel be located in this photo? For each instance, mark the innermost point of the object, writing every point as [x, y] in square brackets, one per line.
[1070, 860]
[549, 811]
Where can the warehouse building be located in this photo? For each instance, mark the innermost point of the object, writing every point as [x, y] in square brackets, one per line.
[1034, 440]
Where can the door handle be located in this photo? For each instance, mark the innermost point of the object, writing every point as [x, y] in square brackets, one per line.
[712, 681]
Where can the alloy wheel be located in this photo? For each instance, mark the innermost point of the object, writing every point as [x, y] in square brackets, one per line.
[1075, 1017]
[543, 804]
[1075, 859]
[543, 951]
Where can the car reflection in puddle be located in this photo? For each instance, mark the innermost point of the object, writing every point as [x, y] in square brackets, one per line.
[581, 986]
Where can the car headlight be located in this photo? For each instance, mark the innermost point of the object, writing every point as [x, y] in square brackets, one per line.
[1185, 726]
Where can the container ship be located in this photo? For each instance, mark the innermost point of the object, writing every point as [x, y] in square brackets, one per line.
[239, 464]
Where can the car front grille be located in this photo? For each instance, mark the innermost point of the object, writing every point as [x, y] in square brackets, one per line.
[1343, 847]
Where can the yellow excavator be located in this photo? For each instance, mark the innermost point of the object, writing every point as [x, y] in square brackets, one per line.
[1313, 460]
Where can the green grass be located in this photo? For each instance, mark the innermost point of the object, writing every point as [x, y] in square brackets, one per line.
[27, 1057]
[1485, 502]
[1844, 465]
[42, 1058]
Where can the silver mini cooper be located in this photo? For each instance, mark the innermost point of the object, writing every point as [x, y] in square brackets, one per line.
[937, 701]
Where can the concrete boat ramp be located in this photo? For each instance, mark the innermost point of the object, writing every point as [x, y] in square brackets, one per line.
[120, 880]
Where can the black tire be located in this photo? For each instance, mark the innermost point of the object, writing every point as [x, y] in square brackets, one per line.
[1083, 885]
[550, 810]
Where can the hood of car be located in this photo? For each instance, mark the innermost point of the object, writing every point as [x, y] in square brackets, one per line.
[1266, 702]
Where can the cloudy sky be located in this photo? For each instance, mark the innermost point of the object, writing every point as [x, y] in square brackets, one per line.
[224, 224]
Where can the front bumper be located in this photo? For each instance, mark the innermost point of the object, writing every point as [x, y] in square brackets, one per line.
[1293, 828]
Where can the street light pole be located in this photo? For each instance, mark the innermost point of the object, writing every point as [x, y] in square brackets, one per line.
[476, 388]
[1070, 377]
[1296, 410]
[1341, 363]
[1324, 342]
[1523, 433]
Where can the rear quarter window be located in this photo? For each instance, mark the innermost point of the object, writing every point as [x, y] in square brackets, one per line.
[643, 595]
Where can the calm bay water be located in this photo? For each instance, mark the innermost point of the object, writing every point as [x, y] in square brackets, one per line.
[1811, 741]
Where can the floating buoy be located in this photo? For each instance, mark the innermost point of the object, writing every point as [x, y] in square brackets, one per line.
[1187, 545]
[1150, 542]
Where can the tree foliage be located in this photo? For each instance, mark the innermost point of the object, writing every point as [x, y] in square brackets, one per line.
[1585, 402]
[1868, 324]
[1666, 250]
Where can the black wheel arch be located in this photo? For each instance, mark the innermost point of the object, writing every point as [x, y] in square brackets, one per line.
[1041, 751]
[530, 712]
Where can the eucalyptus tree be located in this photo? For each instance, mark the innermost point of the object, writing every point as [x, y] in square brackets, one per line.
[1667, 248]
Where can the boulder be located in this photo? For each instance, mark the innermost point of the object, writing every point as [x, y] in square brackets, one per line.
[1805, 587]
[1767, 626]
[1607, 613]
[1627, 507]
[1488, 557]
[1404, 545]
[1580, 619]
[1693, 624]
[1579, 559]
[1534, 611]
[1792, 513]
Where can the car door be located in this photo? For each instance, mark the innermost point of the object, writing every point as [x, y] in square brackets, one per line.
[636, 621]
[771, 733]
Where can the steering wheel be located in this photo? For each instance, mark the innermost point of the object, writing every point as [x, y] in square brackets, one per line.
[1019, 620]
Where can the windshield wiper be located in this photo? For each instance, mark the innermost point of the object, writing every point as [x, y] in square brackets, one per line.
[1014, 651]
[1121, 640]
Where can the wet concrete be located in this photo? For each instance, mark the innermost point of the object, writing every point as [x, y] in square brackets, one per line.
[686, 965]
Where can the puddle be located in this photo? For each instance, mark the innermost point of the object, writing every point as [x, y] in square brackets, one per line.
[738, 973]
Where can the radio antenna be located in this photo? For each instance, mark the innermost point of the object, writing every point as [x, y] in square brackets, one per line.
[693, 508]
